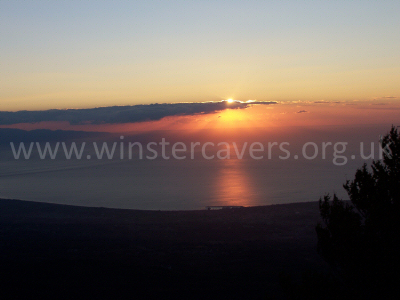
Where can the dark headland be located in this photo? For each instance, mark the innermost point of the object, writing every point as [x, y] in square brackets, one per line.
[69, 252]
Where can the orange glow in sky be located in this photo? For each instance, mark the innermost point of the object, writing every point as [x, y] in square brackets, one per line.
[101, 54]
[284, 114]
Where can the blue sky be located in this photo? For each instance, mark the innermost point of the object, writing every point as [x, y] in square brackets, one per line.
[61, 54]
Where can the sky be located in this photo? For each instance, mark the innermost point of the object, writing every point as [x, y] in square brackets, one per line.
[84, 54]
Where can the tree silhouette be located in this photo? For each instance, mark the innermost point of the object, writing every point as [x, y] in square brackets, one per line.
[360, 238]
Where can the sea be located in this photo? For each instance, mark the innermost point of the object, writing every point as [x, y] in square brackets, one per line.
[184, 184]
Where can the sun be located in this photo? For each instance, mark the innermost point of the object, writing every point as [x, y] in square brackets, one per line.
[230, 100]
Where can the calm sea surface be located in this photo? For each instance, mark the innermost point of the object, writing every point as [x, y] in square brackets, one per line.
[188, 184]
[172, 184]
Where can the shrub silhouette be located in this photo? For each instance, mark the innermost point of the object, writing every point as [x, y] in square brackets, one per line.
[360, 238]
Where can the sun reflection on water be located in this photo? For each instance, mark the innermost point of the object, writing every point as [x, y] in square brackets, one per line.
[234, 186]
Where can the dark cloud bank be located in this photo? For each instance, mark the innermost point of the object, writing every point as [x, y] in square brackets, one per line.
[121, 114]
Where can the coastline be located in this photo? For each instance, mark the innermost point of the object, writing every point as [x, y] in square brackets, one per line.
[102, 251]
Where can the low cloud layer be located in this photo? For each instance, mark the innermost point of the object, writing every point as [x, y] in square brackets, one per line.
[121, 114]
[324, 102]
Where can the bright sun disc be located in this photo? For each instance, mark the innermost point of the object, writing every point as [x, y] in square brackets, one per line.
[230, 100]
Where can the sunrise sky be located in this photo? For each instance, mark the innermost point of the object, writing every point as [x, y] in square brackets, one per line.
[83, 54]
